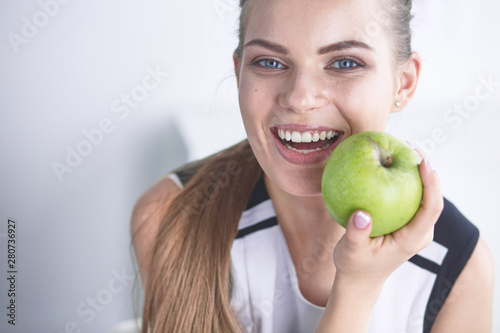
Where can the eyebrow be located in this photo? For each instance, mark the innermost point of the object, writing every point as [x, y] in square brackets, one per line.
[268, 45]
[344, 45]
[339, 46]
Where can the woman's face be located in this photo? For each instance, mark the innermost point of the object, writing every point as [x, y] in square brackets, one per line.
[309, 77]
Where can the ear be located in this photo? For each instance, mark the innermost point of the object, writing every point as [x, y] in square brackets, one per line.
[406, 83]
[236, 68]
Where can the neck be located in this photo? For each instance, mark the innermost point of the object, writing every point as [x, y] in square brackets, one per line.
[303, 218]
[311, 235]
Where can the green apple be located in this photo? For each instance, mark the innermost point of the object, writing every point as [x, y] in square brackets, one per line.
[377, 173]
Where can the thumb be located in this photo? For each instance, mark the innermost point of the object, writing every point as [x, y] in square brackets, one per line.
[359, 227]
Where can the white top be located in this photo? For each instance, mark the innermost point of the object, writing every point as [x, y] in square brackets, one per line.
[266, 297]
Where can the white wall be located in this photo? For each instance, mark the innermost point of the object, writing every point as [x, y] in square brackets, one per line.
[69, 76]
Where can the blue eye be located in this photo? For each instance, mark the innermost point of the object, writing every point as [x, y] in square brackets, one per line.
[270, 63]
[344, 64]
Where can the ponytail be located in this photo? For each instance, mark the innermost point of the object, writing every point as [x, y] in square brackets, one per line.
[189, 285]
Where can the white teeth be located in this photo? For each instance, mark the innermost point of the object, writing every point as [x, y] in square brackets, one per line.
[306, 137]
[307, 151]
[281, 134]
[296, 137]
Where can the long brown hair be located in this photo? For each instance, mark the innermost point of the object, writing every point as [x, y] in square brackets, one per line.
[189, 285]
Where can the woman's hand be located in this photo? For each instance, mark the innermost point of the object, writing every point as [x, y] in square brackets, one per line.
[362, 258]
[363, 263]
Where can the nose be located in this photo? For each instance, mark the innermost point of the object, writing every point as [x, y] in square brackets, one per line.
[303, 92]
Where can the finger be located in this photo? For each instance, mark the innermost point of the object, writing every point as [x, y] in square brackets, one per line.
[432, 202]
[358, 228]
[422, 157]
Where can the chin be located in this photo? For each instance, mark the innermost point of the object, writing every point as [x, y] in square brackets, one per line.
[302, 183]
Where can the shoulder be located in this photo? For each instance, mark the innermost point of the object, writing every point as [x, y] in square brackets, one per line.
[468, 307]
[147, 215]
[464, 285]
[454, 251]
[455, 233]
[454, 230]
[151, 202]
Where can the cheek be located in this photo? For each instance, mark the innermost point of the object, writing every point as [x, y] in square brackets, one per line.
[255, 107]
[248, 97]
[256, 103]
[365, 103]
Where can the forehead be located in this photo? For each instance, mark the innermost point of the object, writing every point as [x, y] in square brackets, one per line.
[314, 23]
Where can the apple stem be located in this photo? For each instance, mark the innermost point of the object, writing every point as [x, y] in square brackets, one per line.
[388, 162]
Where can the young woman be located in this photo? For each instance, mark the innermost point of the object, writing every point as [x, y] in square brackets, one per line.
[241, 241]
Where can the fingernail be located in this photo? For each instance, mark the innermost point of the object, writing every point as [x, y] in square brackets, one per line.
[410, 144]
[429, 165]
[361, 220]
[415, 148]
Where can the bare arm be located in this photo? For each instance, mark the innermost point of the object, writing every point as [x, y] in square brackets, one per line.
[146, 218]
[363, 264]
[468, 307]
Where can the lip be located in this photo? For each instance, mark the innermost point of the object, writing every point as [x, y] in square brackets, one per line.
[299, 158]
[301, 128]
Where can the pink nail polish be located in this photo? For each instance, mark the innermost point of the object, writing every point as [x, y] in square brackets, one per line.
[429, 165]
[361, 220]
[410, 144]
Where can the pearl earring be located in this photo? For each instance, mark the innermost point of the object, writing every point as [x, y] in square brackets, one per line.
[398, 104]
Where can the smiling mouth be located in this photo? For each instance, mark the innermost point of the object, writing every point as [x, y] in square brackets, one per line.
[306, 142]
